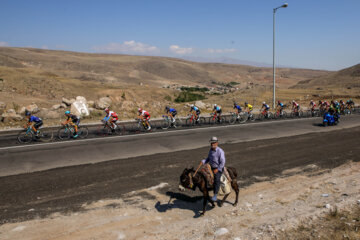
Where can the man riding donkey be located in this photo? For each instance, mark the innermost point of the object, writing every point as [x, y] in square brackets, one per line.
[208, 174]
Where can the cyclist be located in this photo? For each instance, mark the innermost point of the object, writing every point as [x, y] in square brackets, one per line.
[295, 106]
[111, 117]
[350, 103]
[145, 116]
[218, 111]
[280, 105]
[33, 119]
[248, 107]
[266, 109]
[342, 105]
[326, 105]
[171, 112]
[312, 106]
[237, 107]
[72, 120]
[196, 111]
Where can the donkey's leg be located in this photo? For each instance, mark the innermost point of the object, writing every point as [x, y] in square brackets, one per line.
[223, 200]
[206, 197]
[235, 186]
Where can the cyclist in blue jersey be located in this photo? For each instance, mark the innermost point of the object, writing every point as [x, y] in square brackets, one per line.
[33, 119]
[196, 111]
[280, 105]
[266, 109]
[237, 106]
[171, 112]
[218, 111]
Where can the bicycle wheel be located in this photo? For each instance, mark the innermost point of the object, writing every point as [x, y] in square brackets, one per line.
[212, 120]
[178, 123]
[270, 115]
[120, 129]
[277, 115]
[64, 133]
[24, 137]
[83, 132]
[46, 135]
[190, 122]
[252, 117]
[301, 114]
[261, 116]
[243, 117]
[165, 124]
[103, 130]
[233, 118]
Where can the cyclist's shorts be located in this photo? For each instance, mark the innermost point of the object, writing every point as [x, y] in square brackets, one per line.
[198, 112]
[76, 121]
[219, 112]
[147, 117]
[174, 113]
[38, 124]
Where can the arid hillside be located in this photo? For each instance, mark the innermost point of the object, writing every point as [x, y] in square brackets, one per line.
[348, 78]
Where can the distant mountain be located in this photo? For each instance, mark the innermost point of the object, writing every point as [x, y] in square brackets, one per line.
[227, 60]
[345, 78]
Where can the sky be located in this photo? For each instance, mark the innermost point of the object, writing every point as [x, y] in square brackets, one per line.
[318, 34]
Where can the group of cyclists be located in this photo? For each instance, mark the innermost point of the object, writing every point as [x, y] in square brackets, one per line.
[111, 117]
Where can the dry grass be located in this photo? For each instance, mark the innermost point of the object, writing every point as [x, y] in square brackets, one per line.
[337, 224]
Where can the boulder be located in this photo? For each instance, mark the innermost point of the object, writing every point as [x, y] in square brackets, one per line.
[10, 117]
[200, 104]
[103, 103]
[22, 111]
[33, 108]
[81, 98]
[128, 105]
[66, 101]
[10, 111]
[2, 105]
[63, 105]
[79, 107]
[48, 114]
[56, 107]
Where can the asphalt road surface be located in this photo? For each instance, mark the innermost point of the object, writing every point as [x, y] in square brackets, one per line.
[74, 173]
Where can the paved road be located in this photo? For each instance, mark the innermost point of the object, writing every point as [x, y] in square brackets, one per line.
[30, 158]
[67, 189]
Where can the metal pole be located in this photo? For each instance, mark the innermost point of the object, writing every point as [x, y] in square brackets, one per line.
[274, 58]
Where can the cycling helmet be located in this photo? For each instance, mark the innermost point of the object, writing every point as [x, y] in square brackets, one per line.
[246, 103]
[264, 103]
[235, 103]
[215, 105]
[27, 113]
[279, 101]
[106, 110]
[67, 112]
[167, 108]
[311, 100]
[192, 105]
[293, 101]
[139, 109]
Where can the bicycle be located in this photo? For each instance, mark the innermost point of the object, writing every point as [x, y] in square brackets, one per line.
[265, 115]
[170, 122]
[251, 116]
[191, 120]
[141, 125]
[106, 129]
[312, 113]
[240, 117]
[296, 113]
[28, 135]
[280, 114]
[67, 131]
[214, 118]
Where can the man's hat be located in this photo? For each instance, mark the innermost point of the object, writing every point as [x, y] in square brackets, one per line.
[213, 139]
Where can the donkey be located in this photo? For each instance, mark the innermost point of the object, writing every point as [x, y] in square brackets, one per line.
[189, 181]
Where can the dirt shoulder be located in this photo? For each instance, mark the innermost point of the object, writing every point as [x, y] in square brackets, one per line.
[266, 210]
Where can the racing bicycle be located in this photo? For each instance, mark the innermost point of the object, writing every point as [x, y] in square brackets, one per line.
[67, 131]
[28, 135]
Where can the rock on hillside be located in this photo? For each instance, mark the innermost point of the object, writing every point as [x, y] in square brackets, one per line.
[103, 103]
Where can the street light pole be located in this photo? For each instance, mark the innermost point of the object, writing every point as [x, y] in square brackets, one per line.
[283, 6]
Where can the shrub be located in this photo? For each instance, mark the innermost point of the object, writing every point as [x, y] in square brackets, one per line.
[187, 96]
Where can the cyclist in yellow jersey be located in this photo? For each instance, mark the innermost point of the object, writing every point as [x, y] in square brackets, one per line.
[248, 107]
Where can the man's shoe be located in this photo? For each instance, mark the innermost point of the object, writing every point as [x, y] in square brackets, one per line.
[75, 136]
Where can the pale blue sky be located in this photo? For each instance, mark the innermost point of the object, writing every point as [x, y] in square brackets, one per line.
[318, 34]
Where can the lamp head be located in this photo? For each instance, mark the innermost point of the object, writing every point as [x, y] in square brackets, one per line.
[284, 5]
